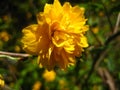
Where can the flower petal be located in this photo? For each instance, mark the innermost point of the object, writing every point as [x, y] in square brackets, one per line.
[67, 7]
[42, 36]
[57, 5]
[29, 39]
[83, 42]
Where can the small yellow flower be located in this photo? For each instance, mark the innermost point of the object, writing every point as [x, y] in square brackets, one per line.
[49, 75]
[5, 17]
[17, 48]
[37, 85]
[62, 84]
[101, 13]
[59, 35]
[95, 30]
[2, 83]
[4, 36]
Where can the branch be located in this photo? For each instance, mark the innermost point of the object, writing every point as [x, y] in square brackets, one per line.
[12, 58]
[117, 24]
[100, 56]
[107, 78]
[14, 54]
[111, 38]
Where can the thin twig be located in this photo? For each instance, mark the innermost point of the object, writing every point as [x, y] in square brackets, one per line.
[117, 24]
[97, 61]
[100, 56]
[107, 78]
[11, 60]
[14, 54]
[111, 38]
[100, 59]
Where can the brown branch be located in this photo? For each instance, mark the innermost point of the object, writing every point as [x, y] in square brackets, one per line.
[111, 38]
[14, 54]
[104, 53]
[100, 56]
[107, 78]
[117, 24]
[95, 64]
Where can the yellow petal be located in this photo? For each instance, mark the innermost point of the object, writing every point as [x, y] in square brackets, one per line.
[58, 43]
[57, 5]
[83, 42]
[67, 6]
[29, 39]
[79, 10]
[42, 36]
[47, 8]
[52, 12]
[40, 18]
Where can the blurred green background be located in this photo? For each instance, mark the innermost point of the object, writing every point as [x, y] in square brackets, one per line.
[97, 69]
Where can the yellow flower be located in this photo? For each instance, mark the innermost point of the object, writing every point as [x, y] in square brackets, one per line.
[62, 84]
[59, 35]
[17, 48]
[2, 82]
[4, 36]
[49, 75]
[95, 30]
[37, 85]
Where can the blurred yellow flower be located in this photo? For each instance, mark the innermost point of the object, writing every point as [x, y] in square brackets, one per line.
[17, 48]
[2, 83]
[59, 35]
[37, 85]
[101, 13]
[49, 75]
[62, 84]
[95, 30]
[4, 36]
[5, 17]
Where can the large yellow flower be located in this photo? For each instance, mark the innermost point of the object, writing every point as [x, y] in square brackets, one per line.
[59, 35]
